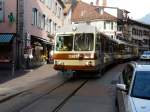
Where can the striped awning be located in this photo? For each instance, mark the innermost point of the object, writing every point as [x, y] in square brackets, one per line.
[6, 38]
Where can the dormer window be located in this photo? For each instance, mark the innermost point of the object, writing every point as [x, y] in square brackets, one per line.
[100, 10]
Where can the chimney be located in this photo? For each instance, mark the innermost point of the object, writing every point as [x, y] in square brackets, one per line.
[91, 3]
[104, 3]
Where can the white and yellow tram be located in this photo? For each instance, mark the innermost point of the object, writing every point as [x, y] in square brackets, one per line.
[83, 48]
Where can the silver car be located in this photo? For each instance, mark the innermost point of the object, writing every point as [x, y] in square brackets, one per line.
[133, 90]
[145, 55]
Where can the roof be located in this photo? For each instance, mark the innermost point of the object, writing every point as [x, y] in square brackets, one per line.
[134, 22]
[87, 12]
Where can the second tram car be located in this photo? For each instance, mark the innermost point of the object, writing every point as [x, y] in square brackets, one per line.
[84, 48]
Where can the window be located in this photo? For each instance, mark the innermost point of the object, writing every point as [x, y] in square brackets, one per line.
[39, 19]
[133, 31]
[64, 42]
[1, 10]
[43, 21]
[84, 42]
[107, 25]
[97, 47]
[104, 25]
[55, 11]
[34, 17]
[49, 26]
[141, 84]
[127, 75]
[59, 12]
[55, 27]
[112, 25]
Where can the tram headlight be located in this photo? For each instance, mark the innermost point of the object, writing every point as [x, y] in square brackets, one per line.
[94, 56]
[89, 63]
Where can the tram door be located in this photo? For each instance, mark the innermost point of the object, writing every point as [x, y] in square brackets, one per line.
[99, 50]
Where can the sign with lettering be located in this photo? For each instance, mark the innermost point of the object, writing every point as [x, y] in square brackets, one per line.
[1, 10]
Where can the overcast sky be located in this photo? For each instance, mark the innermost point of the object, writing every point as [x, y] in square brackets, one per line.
[137, 8]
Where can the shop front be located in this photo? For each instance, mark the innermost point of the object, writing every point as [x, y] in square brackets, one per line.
[37, 52]
[6, 50]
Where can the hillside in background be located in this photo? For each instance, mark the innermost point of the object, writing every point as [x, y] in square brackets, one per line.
[145, 19]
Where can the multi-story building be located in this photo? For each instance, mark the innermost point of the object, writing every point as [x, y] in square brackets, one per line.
[140, 34]
[33, 23]
[112, 21]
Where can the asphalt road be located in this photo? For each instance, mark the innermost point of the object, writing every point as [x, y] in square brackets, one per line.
[96, 95]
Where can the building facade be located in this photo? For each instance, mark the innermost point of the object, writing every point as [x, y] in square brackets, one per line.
[140, 34]
[33, 24]
[114, 22]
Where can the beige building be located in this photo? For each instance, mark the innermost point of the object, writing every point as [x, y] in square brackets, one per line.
[33, 24]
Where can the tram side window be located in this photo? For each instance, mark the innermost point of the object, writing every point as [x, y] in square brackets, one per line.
[97, 45]
[64, 43]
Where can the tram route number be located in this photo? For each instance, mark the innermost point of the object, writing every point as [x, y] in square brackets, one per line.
[73, 56]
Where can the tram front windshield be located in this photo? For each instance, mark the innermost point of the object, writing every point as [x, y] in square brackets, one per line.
[84, 42]
[64, 43]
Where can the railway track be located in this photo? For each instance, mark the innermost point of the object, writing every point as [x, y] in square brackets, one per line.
[26, 104]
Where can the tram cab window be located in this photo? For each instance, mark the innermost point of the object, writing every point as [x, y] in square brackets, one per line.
[64, 43]
[84, 42]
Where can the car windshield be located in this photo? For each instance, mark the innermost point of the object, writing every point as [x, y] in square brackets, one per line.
[146, 53]
[64, 43]
[84, 42]
[141, 86]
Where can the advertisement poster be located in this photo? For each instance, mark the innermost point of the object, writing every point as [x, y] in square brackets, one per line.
[1, 10]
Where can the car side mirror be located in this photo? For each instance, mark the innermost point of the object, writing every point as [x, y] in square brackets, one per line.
[122, 87]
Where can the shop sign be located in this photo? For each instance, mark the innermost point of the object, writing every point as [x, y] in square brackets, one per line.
[28, 53]
[1, 10]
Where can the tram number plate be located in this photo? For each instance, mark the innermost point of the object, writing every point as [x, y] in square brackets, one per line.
[73, 56]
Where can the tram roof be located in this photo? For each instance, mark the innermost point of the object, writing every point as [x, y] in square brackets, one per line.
[77, 28]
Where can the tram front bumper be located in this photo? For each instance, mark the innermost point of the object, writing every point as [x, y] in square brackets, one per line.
[75, 68]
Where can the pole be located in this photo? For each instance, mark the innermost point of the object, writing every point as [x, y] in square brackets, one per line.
[14, 44]
[14, 57]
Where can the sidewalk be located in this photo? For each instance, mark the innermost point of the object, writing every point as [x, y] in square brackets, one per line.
[23, 80]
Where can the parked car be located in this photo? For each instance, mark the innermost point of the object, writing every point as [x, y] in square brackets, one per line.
[145, 55]
[133, 90]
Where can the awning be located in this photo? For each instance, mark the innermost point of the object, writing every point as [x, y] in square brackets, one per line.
[45, 40]
[6, 38]
[119, 41]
